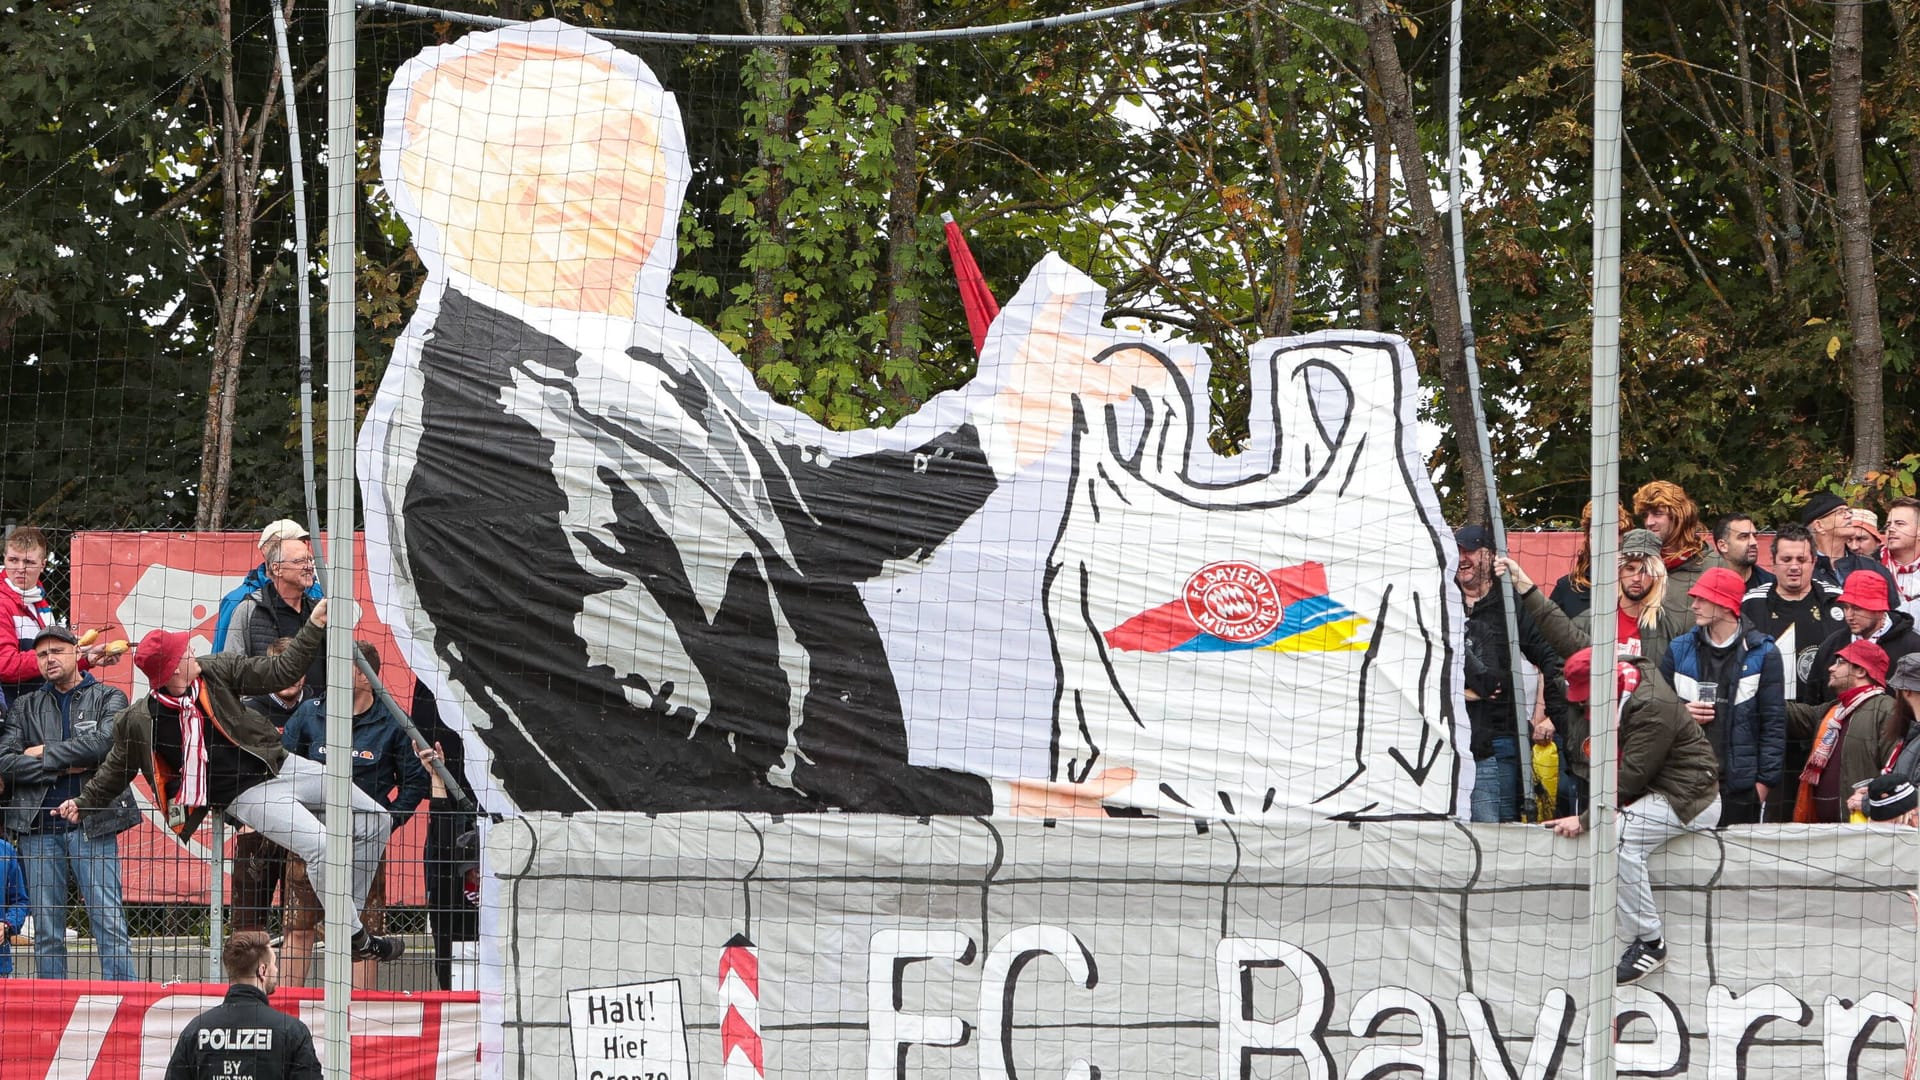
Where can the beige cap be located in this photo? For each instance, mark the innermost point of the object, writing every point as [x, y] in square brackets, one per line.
[284, 529]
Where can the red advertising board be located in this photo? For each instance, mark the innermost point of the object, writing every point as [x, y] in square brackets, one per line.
[133, 582]
[55, 1030]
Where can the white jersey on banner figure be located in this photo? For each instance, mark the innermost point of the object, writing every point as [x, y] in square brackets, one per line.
[637, 582]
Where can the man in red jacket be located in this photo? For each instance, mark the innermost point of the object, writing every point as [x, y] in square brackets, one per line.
[24, 608]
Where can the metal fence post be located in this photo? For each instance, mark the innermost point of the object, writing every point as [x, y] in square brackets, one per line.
[216, 897]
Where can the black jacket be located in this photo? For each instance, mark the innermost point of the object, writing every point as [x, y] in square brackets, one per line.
[1834, 571]
[1899, 640]
[244, 1036]
[262, 619]
[1489, 674]
[81, 738]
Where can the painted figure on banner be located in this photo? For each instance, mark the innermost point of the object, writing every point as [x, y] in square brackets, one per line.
[638, 582]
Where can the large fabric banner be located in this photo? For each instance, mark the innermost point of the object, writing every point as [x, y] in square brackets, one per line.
[889, 948]
[642, 583]
[56, 1030]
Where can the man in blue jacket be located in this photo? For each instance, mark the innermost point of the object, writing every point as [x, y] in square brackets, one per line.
[385, 767]
[1734, 686]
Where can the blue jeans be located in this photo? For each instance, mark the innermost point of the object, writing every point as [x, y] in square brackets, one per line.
[50, 860]
[1496, 782]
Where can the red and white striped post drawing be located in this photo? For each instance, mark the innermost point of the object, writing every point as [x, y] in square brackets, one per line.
[740, 1047]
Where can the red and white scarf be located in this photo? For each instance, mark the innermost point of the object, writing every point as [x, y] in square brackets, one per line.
[1832, 729]
[35, 601]
[193, 744]
[1906, 576]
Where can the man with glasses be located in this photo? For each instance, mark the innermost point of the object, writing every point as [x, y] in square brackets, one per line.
[241, 595]
[280, 607]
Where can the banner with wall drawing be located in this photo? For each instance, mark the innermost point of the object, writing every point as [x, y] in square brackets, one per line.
[893, 948]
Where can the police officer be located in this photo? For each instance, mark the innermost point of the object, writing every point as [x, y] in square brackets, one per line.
[244, 1037]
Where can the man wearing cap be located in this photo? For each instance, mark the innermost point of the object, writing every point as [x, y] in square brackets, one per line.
[231, 627]
[1889, 799]
[1901, 555]
[278, 608]
[1644, 629]
[202, 751]
[1669, 785]
[1903, 685]
[1830, 520]
[1737, 539]
[1666, 511]
[54, 741]
[1863, 536]
[1729, 674]
[1852, 738]
[1866, 614]
[1490, 696]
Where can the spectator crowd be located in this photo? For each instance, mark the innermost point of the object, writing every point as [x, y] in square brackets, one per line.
[240, 732]
[1748, 696]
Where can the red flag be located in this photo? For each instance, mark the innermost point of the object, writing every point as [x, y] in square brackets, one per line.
[974, 294]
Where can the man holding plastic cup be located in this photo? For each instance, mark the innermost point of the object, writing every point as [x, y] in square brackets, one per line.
[1731, 679]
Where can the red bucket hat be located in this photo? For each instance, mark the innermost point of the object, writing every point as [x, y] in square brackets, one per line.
[1866, 589]
[1579, 669]
[1869, 657]
[1720, 586]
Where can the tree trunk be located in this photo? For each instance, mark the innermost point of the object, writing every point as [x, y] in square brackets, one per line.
[239, 291]
[232, 297]
[765, 346]
[1377, 199]
[903, 214]
[1277, 320]
[1443, 302]
[1763, 226]
[1854, 217]
[1782, 138]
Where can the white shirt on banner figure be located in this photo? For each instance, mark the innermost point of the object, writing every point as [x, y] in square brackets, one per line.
[638, 582]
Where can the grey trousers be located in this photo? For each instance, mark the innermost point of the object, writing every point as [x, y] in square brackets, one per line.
[1645, 826]
[289, 810]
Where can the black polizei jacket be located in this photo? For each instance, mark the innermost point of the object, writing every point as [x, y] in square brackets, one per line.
[244, 1036]
[36, 719]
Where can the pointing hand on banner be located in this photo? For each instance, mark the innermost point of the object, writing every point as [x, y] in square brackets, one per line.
[1041, 798]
